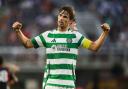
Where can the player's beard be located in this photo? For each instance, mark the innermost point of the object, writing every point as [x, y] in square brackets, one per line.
[62, 25]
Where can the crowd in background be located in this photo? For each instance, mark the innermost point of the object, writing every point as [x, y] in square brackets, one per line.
[38, 16]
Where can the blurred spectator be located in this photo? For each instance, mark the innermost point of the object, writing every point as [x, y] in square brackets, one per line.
[7, 78]
[13, 3]
[46, 19]
[81, 5]
[123, 40]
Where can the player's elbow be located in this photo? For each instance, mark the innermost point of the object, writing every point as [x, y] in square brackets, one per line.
[28, 44]
[94, 47]
[25, 46]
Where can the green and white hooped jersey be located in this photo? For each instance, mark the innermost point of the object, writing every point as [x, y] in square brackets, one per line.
[62, 52]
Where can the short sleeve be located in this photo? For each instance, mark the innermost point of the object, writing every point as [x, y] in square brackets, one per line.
[83, 41]
[79, 37]
[39, 41]
[86, 43]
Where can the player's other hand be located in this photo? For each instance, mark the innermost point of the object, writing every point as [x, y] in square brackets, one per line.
[105, 27]
[16, 26]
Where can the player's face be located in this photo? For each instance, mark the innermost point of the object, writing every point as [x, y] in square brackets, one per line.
[63, 19]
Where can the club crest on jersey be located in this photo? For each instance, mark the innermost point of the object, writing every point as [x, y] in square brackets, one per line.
[69, 40]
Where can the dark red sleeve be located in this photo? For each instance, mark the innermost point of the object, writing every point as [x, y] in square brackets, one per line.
[10, 75]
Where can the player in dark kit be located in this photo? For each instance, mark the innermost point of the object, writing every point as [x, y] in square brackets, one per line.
[6, 77]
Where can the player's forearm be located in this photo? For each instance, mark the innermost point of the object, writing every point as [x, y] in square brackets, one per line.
[97, 44]
[24, 40]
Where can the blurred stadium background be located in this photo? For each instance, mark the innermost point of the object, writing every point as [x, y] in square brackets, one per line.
[106, 69]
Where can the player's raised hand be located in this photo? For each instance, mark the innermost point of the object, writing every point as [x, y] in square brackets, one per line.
[16, 26]
[105, 27]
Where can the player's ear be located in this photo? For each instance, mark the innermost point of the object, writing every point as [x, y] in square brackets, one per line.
[70, 22]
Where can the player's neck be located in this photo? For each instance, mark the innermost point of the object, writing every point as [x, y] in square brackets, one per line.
[62, 29]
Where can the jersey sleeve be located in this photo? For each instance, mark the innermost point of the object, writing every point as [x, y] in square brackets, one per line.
[83, 41]
[86, 43]
[10, 76]
[80, 38]
[39, 41]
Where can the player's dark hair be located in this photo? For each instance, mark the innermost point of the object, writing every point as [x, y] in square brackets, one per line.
[1, 60]
[70, 10]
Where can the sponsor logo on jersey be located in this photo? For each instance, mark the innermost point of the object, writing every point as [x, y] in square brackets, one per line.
[60, 47]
